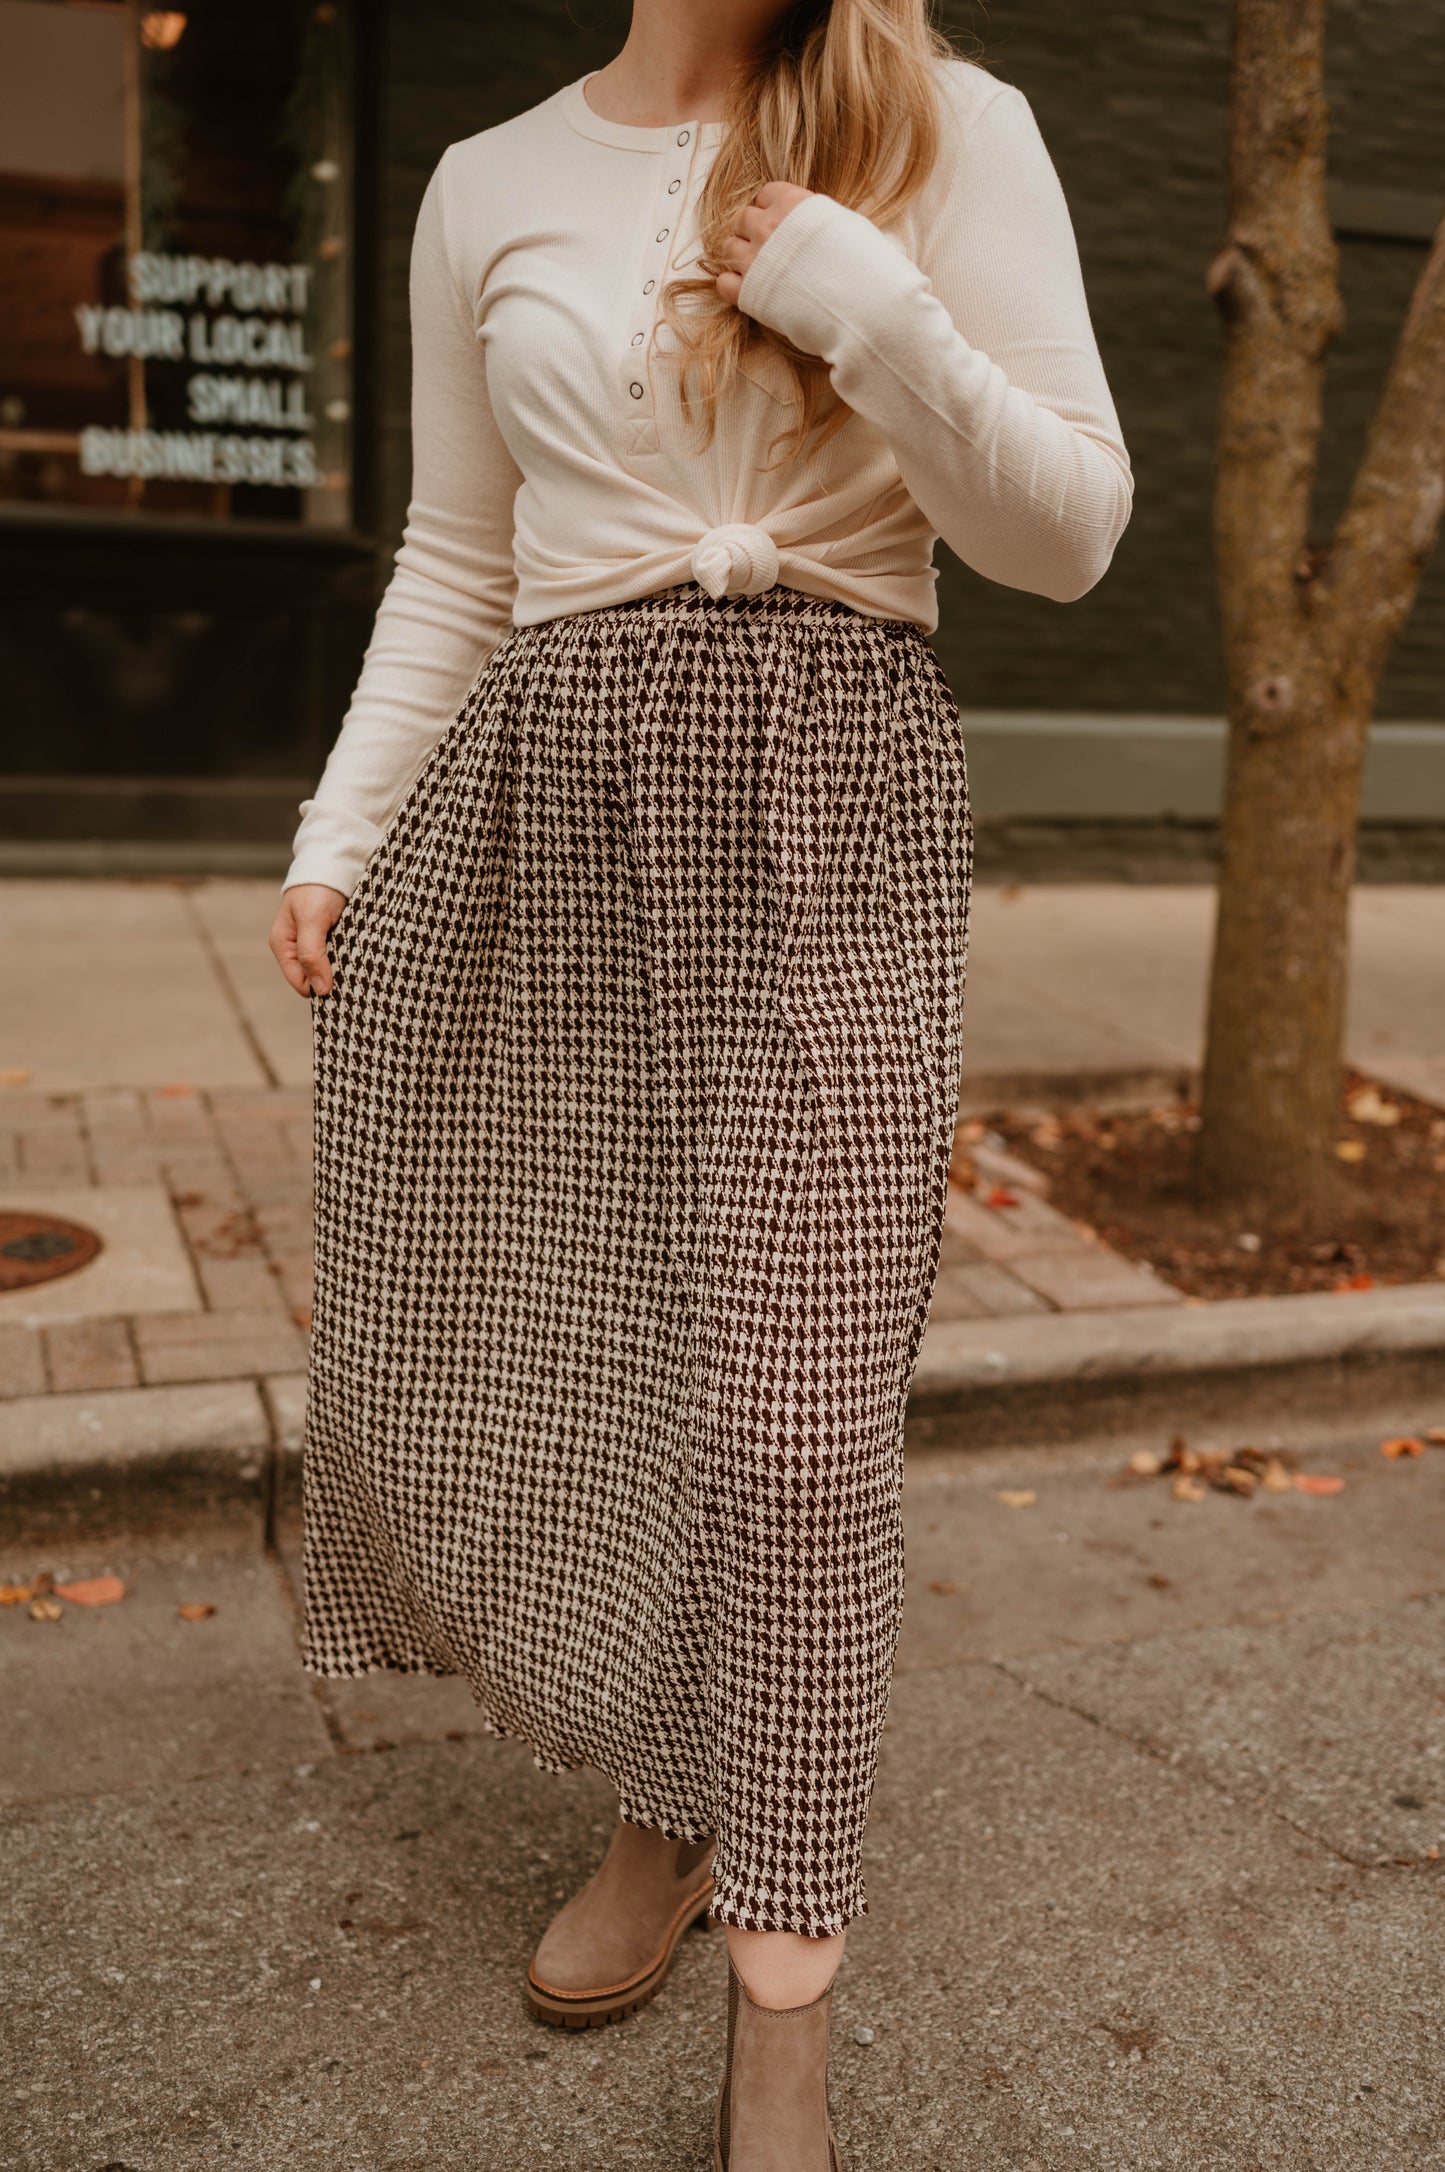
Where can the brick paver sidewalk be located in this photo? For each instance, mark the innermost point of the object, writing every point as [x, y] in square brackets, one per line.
[199, 1190]
[234, 1166]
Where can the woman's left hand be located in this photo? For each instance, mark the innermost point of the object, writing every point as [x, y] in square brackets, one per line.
[766, 212]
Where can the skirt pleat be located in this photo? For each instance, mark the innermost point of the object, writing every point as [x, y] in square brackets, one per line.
[635, 1093]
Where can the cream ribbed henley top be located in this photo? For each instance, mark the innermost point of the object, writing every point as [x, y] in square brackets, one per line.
[552, 468]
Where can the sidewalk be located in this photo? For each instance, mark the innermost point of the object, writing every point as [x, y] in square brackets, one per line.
[1152, 1864]
[154, 1076]
[150, 984]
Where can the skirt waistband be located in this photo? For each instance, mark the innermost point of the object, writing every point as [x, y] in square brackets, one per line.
[691, 600]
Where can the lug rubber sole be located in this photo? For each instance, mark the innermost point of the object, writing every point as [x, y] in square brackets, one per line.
[595, 2010]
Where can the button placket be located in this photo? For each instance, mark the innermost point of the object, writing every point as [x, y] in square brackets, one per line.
[675, 168]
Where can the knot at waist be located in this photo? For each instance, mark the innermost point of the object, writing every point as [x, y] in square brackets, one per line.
[736, 560]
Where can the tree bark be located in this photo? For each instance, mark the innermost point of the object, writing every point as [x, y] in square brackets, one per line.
[1306, 633]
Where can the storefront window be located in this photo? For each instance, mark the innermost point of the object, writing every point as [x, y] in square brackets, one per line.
[175, 258]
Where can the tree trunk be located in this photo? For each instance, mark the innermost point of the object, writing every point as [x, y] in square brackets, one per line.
[1306, 633]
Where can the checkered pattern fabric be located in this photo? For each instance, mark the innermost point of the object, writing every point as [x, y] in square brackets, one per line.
[635, 1093]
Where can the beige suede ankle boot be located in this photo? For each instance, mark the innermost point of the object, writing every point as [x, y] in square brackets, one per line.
[608, 1949]
[772, 2109]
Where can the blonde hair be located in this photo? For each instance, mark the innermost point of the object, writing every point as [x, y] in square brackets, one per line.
[841, 101]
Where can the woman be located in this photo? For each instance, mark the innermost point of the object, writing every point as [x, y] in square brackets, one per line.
[643, 862]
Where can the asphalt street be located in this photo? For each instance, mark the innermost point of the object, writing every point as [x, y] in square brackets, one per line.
[1150, 1864]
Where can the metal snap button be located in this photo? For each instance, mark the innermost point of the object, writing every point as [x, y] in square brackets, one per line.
[684, 136]
[637, 339]
[636, 391]
[664, 234]
[673, 187]
[649, 286]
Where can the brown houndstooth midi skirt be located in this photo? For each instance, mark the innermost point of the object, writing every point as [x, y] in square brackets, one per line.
[635, 1094]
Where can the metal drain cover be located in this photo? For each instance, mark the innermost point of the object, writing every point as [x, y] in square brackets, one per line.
[38, 1247]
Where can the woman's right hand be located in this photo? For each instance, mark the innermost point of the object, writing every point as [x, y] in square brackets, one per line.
[309, 910]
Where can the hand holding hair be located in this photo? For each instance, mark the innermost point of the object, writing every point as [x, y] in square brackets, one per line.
[766, 212]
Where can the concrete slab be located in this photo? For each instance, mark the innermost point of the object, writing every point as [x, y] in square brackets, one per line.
[1126, 962]
[1092, 1278]
[126, 1698]
[1081, 1959]
[1080, 1954]
[236, 916]
[109, 984]
[1336, 1722]
[1070, 1961]
[379, 1711]
[1011, 1029]
[1094, 1563]
[149, 983]
[1067, 977]
[979, 1290]
[142, 1266]
[1397, 988]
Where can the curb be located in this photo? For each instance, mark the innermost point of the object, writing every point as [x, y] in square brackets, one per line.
[1240, 1362]
[132, 1459]
[136, 1458]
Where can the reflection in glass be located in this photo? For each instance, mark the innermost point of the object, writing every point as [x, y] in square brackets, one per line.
[175, 258]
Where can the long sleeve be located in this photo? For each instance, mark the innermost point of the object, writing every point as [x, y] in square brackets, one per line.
[977, 363]
[450, 595]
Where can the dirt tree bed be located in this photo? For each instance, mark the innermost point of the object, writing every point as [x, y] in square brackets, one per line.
[1127, 1173]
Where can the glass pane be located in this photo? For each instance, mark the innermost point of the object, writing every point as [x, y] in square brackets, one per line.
[175, 258]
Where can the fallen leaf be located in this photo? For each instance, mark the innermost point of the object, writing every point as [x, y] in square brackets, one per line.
[1276, 1478]
[22, 1594]
[202, 1610]
[1187, 1488]
[964, 1173]
[92, 1591]
[1145, 1464]
[1160, 1583]
[1350, 1149]
[1367, 1105]
[1001, 1196]
[302, 1316]
[1435, 1434]
[946, 1590]
[1356, 1282]
[1317, 1482]
[174, 1093]
[1404, 1444]
[14, 1078]
[1229, 1478]
[45, 1610]
[1017, 1500]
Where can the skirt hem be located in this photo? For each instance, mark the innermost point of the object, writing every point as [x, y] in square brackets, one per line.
[732, 1903]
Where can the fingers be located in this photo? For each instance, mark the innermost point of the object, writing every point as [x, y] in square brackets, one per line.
[737, 253]
[298, 936]
[755, 224]
[311, 955]
[752, 226]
